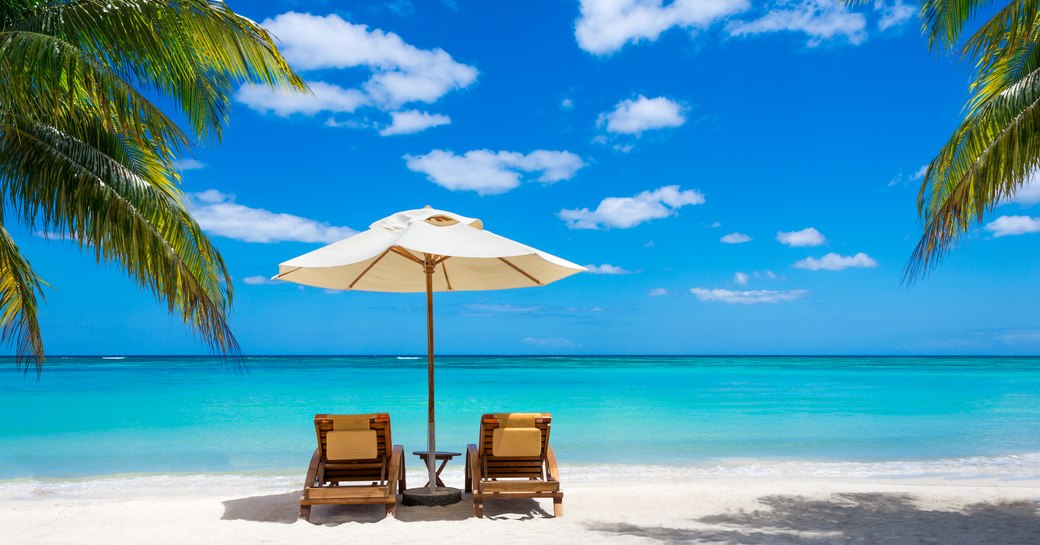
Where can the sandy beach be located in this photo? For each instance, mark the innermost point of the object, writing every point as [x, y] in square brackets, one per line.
[614, 509]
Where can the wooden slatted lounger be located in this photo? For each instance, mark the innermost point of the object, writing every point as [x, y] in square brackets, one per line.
[353, 448]
[513, 460]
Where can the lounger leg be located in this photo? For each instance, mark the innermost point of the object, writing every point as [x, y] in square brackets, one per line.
[478, 509]
[469, 476]
[305, 512]
[557, 507]
[391, 510]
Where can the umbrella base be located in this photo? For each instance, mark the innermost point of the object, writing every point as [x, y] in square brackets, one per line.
[435, 496]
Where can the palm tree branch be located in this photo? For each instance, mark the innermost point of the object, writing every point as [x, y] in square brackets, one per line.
[19, 289]
[69, 186]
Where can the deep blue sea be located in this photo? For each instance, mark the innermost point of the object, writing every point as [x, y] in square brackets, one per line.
[88, 416]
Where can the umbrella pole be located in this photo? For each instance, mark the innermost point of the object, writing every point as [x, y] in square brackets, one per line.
[431, 441]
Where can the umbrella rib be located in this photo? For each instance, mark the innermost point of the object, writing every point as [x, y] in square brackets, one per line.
[444, 269]
[279, 276]
[519, 270]
[368, 268]
[406, 254]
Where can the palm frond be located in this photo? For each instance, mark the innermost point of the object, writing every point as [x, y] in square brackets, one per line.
[944, 20]
[194, 51]
[990, 155]
[19, 289]
[89, 190]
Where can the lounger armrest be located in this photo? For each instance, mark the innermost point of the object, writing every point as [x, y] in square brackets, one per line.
[550, 461]
[396, 458]
[312, 470]
[473, 471]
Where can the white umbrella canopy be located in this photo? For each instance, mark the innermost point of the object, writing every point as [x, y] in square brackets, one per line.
[426, 250]
[391, 255]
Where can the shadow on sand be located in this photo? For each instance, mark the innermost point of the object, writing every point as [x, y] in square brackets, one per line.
[284, 509]
[882, 519]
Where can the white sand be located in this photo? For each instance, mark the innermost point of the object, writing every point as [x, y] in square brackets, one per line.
[616, 509]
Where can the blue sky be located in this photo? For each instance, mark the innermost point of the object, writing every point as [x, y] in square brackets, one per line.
[633, 136]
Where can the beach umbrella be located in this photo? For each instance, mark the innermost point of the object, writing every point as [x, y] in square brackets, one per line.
[426, 250]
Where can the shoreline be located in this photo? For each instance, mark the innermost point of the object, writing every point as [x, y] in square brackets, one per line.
[240, 509]
[1006, 467]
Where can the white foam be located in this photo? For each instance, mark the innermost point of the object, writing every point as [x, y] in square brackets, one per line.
[1012, 467]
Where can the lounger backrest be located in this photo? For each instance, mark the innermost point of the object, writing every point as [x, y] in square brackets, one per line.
[353, 437]
[514, 444]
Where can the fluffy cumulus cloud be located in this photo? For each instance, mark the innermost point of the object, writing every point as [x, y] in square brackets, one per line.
[607, 268]
[837, 262]
[740, 278]
[324, 97]
[749, 297]
[635, 116]
[605, 26]
[658, 292]
[819, 19]
[1028, 193]
[400, 73]
[894, 14]
[489, 172]
[806, 237]
[188, 164]
[411, 121]
[1013, 225]
[220, 215]
[735, 238]
[625, 212]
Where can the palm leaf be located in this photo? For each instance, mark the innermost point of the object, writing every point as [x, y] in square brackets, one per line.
[19, 289]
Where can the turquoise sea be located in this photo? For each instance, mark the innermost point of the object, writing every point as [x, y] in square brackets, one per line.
[88, 416]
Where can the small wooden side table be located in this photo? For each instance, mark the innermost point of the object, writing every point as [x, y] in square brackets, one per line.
[444, 457]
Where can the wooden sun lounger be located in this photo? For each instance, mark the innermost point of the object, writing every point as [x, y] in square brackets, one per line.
[354, 455]
[524, 467]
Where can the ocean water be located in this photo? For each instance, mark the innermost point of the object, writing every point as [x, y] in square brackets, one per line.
[89, 416]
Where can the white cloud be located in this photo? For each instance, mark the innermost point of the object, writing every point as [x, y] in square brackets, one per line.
[806, 237]
[188, 164]
[1028, 193]
[751, 297]
[625, 212]
[735, 238]
[567, 104]
[642, 114]
[658, 292]
[399, 73]
[919, 173]
[605, 26]
[258, 280]
[836, 262]
[219, 215]
[325, 97]
[551, 342]
[607, 268]
[819, 19]
[1013, 225]
[740, 279]
[894, 14]
[411, 121]
[488, 172]
[715, 224]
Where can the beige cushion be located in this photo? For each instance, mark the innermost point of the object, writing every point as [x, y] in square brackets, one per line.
[345, 422]
[516, 442]
[351, 445]
[517, 420]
